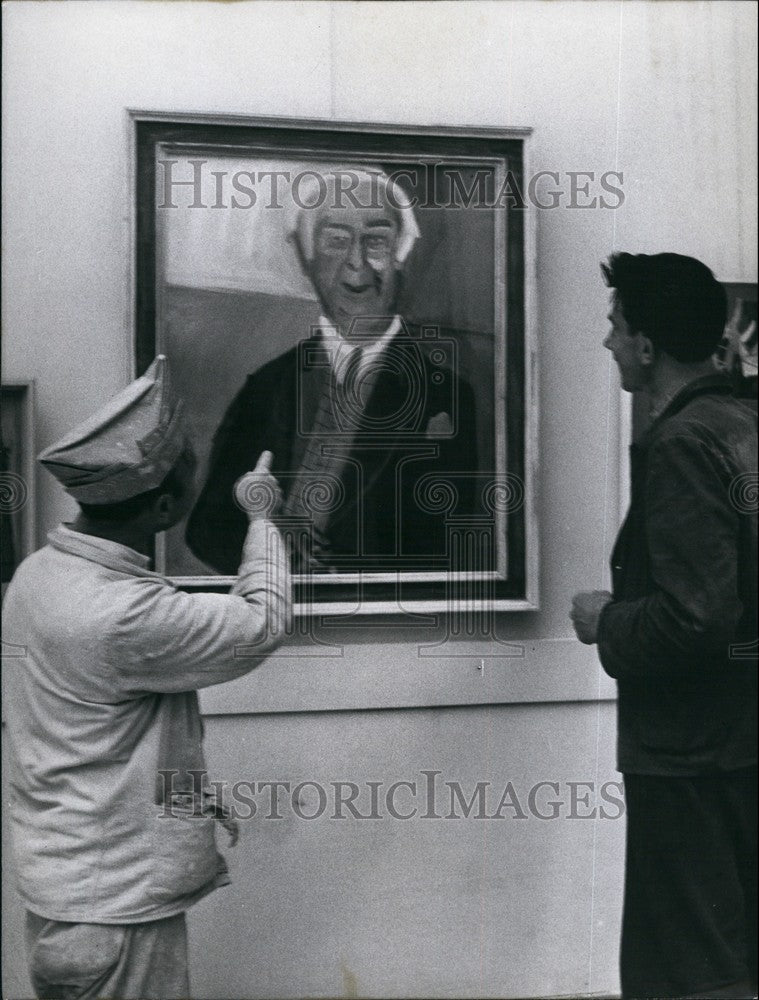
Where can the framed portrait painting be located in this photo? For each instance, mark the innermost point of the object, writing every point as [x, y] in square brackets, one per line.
[355, 300]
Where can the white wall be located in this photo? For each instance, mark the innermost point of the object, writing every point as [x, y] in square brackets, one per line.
[663, 92]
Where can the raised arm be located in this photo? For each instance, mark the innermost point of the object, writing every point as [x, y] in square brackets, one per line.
[189, 641]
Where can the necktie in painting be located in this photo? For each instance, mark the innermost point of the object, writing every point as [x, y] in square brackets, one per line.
[318, 488]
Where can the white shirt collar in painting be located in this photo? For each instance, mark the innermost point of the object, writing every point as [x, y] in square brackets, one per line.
[340, 350]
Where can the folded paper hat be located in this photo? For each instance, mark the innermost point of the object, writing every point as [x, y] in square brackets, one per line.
[127, 447]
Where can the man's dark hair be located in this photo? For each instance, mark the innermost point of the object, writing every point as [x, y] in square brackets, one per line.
[673, 300]
[128, 510]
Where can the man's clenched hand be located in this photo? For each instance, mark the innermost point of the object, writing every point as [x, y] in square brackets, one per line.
[586, 610]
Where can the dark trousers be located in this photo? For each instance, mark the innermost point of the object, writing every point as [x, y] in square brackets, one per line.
[689, 920]
[145, 961]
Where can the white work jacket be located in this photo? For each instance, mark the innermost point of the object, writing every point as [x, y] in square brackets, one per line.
[102, 659]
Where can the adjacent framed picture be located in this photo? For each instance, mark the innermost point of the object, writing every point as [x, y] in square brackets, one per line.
[737, 355]
[356, 300]
[17, 471]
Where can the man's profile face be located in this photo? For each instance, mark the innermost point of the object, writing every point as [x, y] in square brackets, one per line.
[353, 269]
[627, 348]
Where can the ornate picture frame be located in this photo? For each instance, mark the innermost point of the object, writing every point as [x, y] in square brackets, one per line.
[438, 504]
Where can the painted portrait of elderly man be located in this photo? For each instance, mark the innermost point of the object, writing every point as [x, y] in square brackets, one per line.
[344, 319]
[359, 414]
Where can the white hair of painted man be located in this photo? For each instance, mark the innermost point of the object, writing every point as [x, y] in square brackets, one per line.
[320, 190]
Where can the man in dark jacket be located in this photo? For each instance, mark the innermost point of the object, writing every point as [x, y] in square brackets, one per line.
[679, 635]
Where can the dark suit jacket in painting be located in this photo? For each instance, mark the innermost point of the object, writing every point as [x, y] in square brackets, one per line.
[410, 458]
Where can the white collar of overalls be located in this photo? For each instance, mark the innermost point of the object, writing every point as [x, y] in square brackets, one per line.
[100, 550]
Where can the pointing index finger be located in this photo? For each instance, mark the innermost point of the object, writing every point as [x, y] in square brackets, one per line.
[264, 462]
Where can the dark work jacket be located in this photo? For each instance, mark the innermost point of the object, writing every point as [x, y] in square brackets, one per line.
[680, 634]
[387, 516]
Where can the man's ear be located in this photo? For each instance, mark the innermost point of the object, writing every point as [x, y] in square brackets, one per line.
[307, 266]
[400, 288]
[164, 509]
[304, 263]
[646, 350]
